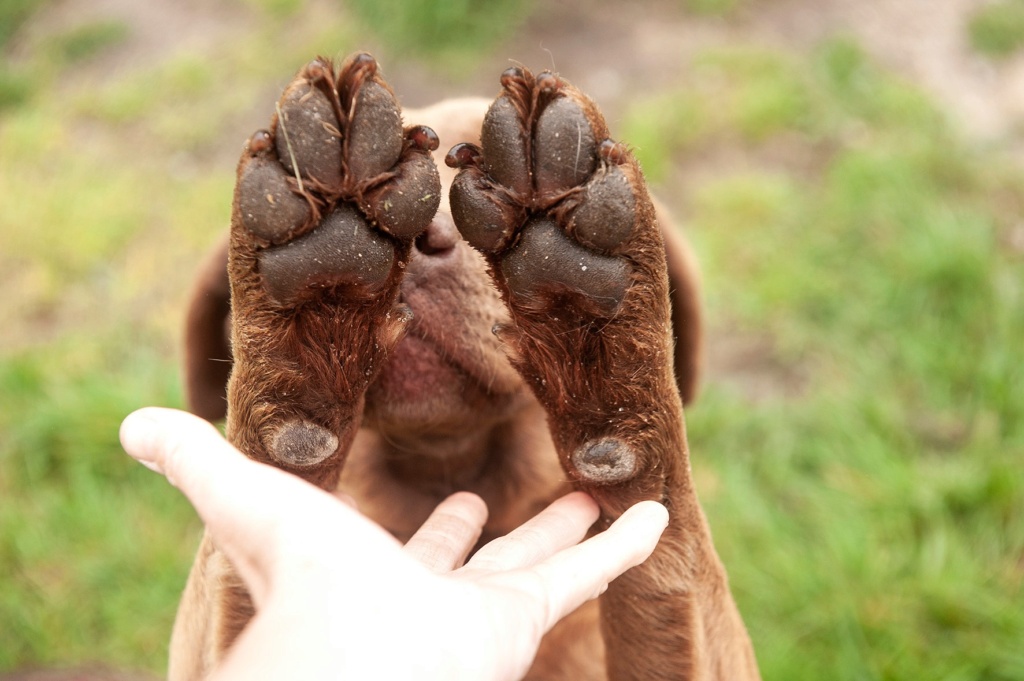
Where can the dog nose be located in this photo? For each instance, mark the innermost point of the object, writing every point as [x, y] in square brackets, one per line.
[440, 236]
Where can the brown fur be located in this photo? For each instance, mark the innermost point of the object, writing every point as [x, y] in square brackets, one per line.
[671, 618]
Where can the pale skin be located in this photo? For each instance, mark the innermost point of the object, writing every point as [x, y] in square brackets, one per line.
[338, 598]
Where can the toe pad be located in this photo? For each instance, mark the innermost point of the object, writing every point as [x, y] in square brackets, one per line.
[604, 461]
[301, 443]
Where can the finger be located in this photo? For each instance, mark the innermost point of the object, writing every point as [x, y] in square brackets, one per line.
[562, 524]
[346, 499]
[249, 508]
[571, 577]
[233, 495]
[450, 532]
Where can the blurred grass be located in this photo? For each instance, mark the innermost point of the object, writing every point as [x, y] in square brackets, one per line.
[874, 525]
[997, 29]
[110, 195]
[87, 40]
[871, 515]
[13, 13]
[452, 33]
[713, 8]
[92, 547]
[15, 86]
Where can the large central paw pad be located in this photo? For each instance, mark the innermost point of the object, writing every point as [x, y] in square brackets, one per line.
[548, 196]
[336, 189]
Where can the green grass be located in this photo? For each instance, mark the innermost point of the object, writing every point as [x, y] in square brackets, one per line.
[88, 40]
[13, 13]
[450, 32]
[89, 541]
[871, 516]
[16, 86]
[713, 8]
[874, 525]
[997, 29]
[108, 198]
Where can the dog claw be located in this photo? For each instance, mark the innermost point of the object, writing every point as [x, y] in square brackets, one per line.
[548, 83]
[613, 152]
[423, 138]
[512, 76]
[360, 66]
[463, 155]
[317, 70]
[260, 142]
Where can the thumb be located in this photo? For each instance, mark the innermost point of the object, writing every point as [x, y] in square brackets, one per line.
[245, 505]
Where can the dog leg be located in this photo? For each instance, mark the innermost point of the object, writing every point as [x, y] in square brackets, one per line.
[327, 203]
[563, 215]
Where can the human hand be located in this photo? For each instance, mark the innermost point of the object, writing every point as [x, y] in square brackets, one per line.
[337, 597]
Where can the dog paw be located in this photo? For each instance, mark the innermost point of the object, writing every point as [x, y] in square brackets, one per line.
[562, 213]
[548, 195]
[326, 193]
[327, 203]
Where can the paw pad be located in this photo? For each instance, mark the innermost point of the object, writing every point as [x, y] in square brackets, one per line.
[301, 443]
[605, 461]
[341, 251]
[547, 259]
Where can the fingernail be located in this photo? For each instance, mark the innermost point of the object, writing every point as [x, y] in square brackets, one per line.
[151, 466]
[652, 512]
[347, 499]
[659, 511]
[137, 431]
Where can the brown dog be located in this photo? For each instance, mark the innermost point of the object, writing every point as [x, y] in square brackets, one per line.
[547, 348]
